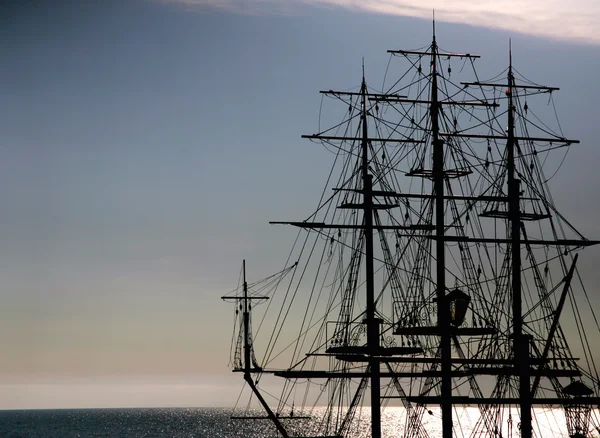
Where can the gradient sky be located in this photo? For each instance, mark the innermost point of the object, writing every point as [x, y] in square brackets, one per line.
[146, 144]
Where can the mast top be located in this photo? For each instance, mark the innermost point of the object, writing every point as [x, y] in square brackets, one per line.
[510, 54]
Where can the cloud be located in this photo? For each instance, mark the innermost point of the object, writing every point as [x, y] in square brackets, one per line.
[575, 20]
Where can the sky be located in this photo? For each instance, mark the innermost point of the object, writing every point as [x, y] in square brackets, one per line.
[145, 145]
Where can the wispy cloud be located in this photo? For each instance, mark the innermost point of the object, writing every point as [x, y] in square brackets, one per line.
[567, 20]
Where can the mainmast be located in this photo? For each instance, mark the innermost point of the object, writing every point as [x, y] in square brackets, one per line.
[439, 176]
[440, 249]
[520, 341]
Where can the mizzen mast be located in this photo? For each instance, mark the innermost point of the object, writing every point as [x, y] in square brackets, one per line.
[371, 319]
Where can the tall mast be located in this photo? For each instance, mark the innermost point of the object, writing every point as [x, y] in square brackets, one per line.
[440, 252]
[520, 341]
[444, 349]
[371, 320]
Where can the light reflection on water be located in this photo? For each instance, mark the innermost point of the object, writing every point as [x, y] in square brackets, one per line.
[215, 423]
[548, 423]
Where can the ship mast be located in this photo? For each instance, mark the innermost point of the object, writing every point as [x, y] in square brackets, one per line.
[520, 341]
[440, 249]
[371, 320]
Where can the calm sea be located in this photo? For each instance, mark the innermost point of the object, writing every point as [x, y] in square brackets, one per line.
[171, 422]
[212, 423]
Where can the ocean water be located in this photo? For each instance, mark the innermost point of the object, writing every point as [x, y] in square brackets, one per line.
[168, 422]
[215, 423]
[130, 423]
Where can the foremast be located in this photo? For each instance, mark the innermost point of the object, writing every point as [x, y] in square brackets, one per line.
[371, 320]
[372, 352]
